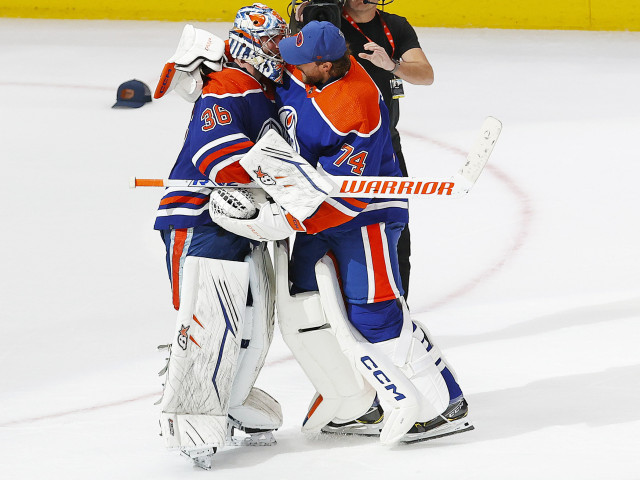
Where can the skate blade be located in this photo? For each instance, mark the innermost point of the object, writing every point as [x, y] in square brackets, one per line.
[359, 430]
[459, 427]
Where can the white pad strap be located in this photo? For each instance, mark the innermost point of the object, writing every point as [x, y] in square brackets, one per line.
[345, 395]
[207, 340]
[292, 182]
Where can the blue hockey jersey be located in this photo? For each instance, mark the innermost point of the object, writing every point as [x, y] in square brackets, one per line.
[344, 129]
[232, 113]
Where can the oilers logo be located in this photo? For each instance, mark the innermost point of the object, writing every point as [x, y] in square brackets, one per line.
[183, 337]
[264, 178]
[289, 119]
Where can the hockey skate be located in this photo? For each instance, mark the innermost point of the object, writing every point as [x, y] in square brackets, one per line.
[202, 457]
[254, 437]
[453, 420]
[368, 424]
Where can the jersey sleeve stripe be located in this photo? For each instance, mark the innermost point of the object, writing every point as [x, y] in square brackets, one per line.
[182, 199]
[382, 204]
[355, 202]
[189, 212]
[213, 173]
[344, 209]
[236, 148]
[216, 143]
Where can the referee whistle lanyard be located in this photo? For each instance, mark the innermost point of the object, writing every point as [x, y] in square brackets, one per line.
[387, 32]
[397, 89]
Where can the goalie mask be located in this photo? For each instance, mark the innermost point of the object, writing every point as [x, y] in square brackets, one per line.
[254, 38]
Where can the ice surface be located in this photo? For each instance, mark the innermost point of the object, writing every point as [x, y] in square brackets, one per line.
[531, 283]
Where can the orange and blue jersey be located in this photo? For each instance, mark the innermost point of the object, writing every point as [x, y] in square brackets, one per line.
[342, 127]
[232, 113]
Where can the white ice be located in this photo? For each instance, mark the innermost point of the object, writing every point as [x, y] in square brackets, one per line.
[531, 283]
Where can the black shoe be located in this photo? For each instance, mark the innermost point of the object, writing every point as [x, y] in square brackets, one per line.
[368, 424]
[453, 420]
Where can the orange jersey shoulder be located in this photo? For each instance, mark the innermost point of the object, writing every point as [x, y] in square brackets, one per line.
[230, 81]
[352, 103]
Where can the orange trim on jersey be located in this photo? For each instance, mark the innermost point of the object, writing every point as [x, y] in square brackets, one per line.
[351, 103]
[384, 289]
[183, 199]
[212, 157]
[179, 239]
[230, 81]
[355, 202]
[233, 173]
[325, 217]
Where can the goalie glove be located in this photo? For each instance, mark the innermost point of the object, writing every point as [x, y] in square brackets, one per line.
[181, 72]
[230, 210]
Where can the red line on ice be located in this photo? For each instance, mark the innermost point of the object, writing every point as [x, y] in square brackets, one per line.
[522, 232]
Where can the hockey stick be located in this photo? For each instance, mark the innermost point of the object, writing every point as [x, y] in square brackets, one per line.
[380, 187]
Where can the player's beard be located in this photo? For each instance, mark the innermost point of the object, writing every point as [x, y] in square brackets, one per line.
[312, 79]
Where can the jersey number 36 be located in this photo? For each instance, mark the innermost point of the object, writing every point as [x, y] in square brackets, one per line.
[215, 116]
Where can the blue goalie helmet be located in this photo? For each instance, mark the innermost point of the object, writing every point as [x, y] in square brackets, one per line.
[254, 39]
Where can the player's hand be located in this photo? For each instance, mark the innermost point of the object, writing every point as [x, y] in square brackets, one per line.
[378, 56]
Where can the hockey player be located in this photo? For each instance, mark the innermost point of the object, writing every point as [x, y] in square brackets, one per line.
[336, 120]
[343, 129]
[220, 343]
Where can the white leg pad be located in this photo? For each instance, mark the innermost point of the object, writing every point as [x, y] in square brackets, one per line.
[204, 352]
[404, 375]
[189, 431]
[259, 324]
[345, 395]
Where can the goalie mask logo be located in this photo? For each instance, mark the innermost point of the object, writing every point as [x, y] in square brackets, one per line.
[264, 178]
[183, 337]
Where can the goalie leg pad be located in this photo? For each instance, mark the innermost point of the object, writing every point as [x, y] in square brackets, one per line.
[405, 375]
[251, 407]
[193, 431]
[258, 330]
[205, 349]
[344, 393]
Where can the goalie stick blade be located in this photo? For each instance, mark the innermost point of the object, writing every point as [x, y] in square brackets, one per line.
[480, 152]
